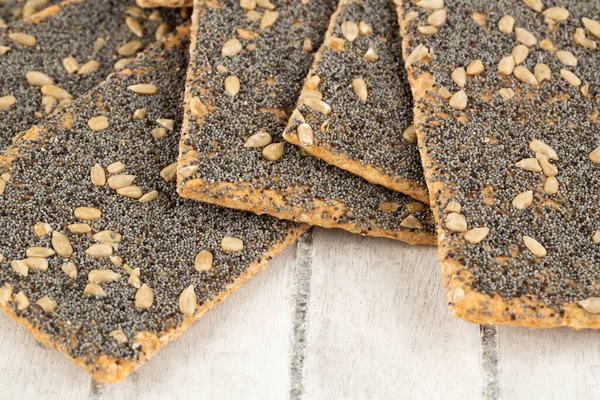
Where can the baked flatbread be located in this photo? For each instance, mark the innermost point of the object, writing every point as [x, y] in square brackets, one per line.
[364, 82]
[73, 46]
[165, 3]
[269, 63]
[88, 266]
[516, 149]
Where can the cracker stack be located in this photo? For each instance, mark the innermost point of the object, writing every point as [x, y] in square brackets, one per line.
[134, 221]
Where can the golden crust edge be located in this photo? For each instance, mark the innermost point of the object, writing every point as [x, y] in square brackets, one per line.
[191, 188]
[574, 317]
[164, 3]
[368, 172]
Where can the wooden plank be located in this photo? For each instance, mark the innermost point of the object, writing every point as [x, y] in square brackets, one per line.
[240, 347]
[548, 364]
[379, 326]
[32, 371]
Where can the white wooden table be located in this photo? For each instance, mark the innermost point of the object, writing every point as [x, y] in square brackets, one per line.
[336, 316]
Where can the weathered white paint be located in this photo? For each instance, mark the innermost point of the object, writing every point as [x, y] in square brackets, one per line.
[379, 326]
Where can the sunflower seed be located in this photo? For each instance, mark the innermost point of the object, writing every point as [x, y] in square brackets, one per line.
[36, 78]
[144, 297]
[567, 58]
[135, 26]
[135, 12]
[365, 29]
[525, 37]
[596, 237]
[431, 4]
[69, 269]
[20, 267]
[557, 13]
[411, 222]
[570, 77]
[42, 228]
[506, 24]
[203, 261]
[360, 89]
[268, 19]
[21, 301]
[456, 222]
[155, 16]
[103, 275]
[307, 45]
[551, 185]
[273, 151]
[529, 164]
[535, 5]
[455, 295]
[23, 39]
[79, 229]
[475, 68]
[99, 250]
[427, 30]
[542, 72]
[163, 30]
[458, 101]
[591, 305]
[232, 85]
[459, 76]
[187, 301]
[231, 48]
[56, 92]
[99, 44]
[89, 68]
[506, 93]
[350, 30]
[61, 244]
[143, 88]
[94, 290]
[418, 54]
[97, 175]
[305, 135]
[139, 114]
[48, 103]
[188, 171]
[506, 65]
[6, 294]
[370, 55]
[115, 167]
[118, 336]
[524, 75]
[248, 5]
[476, 235]
[410, 134]
[259, 139]
[4, 49]
[578, 37]
[39, 252]
[130, 48]
[437, 18]
[547, 168]
[534, 246]
[592, 26]
[523, 200]
[253, 16]
[107, 237]
[585, 89]
[46, 304]
[98, 123]
[414, 207]
[120, 181]
[318, 105]
[148, 196]
[132, 191]
[169, 173]
[538, 146]
[6, 102]
[229, 243]
[87, 213]
[122, 63]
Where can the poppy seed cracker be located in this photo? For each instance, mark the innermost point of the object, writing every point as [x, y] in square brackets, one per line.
[164, 3]
[100, 258]
[246, 71]
[64, 51]
[506, 112]
[366, 87]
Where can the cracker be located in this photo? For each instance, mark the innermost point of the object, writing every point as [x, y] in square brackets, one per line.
[85, 30]
[164, 3]
[216, 166]
[364, 137]
[161, 237]
[16, 10]
[474, 158]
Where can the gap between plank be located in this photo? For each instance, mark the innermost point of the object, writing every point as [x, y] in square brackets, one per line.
[301, 273]
[490, 359]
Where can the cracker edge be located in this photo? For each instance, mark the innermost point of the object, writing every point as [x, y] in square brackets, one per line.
[367, 172]
[191, 188]
[107, 369]
[164, 3]
[574, 316]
